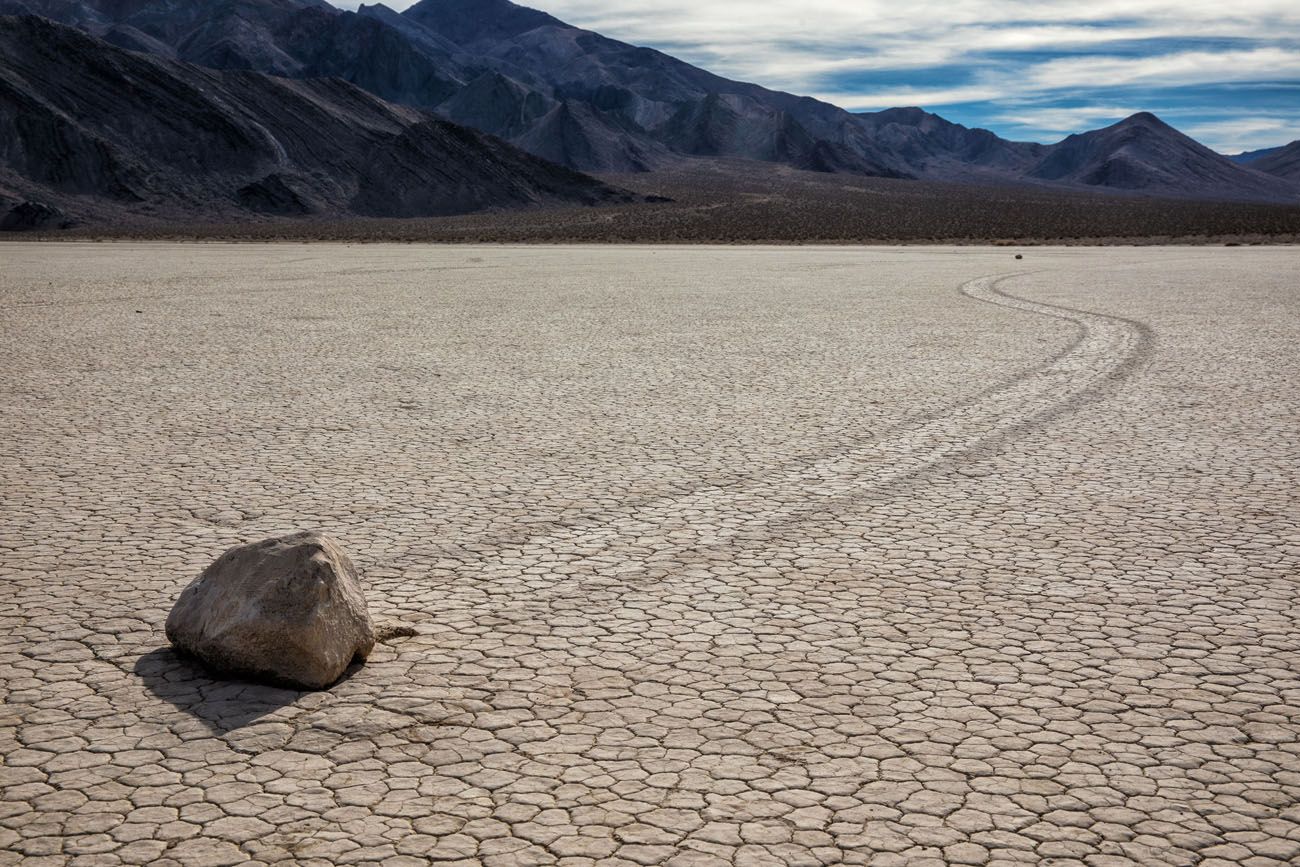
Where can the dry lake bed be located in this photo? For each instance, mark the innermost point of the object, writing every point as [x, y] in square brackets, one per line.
[715, 556]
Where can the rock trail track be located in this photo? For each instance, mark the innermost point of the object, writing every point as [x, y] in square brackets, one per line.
[1106, 348]
[697, 576]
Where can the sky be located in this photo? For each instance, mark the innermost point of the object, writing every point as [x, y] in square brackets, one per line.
[1225, 72]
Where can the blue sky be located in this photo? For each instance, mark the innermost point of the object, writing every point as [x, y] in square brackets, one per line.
[1227, 73]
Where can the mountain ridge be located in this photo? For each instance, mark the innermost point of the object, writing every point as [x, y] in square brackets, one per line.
[1143, 153]
[592, 103]
[147, 135]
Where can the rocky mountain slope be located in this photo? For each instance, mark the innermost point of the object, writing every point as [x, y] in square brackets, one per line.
[567, 94]
[623, 105]
[90, 125]
[939, 149]
[596, 104]
[297, 38]
[1142, 153]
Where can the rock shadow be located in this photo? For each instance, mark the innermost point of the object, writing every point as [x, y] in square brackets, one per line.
[222, 705]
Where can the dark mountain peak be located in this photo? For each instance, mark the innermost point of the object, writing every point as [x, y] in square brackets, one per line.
[467, 21]
[1145, 120]
[910, 115]
[1143, 153]
[381, 12]
[941, 148]
[1143, 127]
[409, 27]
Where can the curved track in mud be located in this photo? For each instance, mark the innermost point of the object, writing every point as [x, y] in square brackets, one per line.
[709, 517]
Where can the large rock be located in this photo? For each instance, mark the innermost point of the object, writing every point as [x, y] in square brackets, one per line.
[290, 611]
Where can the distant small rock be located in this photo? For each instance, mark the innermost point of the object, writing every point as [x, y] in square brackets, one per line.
[289, 611]
[1019, 256]
[30, 216]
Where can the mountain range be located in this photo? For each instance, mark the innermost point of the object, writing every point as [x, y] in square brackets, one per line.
[335, 112]
[133, 131]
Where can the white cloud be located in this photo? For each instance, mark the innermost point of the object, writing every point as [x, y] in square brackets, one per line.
[1085, 75]
[1021, 53]
[790, 43]
[1065, 120]
[1239, 134]
[908, 96]
[857, 24]
[1178, 68]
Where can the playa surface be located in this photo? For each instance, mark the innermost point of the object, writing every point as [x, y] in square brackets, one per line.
[715, 556]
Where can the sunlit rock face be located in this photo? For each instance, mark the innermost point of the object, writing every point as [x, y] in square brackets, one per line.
[288, 611]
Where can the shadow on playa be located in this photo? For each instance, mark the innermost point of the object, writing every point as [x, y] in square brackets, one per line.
[221, 705]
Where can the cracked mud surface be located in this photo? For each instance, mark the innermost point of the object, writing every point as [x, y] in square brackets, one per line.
[713, 556]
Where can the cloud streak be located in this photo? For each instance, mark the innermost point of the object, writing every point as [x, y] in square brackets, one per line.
[1028, 66]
